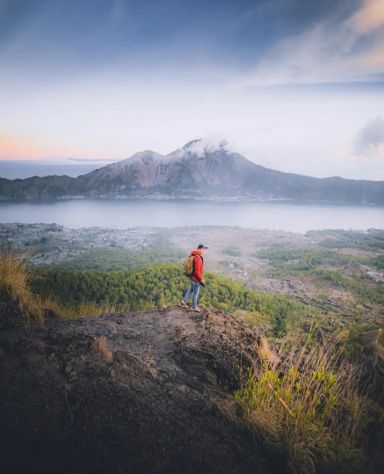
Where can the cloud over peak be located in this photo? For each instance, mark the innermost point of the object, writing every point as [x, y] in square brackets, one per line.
[370, 139]
[205, 145]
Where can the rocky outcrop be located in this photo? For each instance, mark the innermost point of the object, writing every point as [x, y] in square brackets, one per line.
[150, 392]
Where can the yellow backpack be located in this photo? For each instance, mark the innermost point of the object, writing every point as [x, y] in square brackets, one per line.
[188, 265]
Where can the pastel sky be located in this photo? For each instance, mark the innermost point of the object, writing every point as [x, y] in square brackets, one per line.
[295, 85]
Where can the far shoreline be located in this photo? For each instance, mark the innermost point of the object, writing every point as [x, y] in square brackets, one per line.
[192, 199]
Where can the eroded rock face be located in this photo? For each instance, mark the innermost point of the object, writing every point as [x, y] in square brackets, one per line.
[149, 392]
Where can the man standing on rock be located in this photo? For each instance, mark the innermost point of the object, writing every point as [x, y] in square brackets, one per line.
[196, 275]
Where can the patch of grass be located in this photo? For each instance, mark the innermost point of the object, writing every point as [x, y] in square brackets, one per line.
[372, 294]
[255, 318]
[81, 309]
[118, 259]
[14, 288]
[293, 260]
[378, 262]
[356, 343]
[160, 285]
[232, 251]
[372, 239]
[326, 266]
[305, 404]
[15, 279]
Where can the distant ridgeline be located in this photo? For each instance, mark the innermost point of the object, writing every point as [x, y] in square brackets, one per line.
[194, 172]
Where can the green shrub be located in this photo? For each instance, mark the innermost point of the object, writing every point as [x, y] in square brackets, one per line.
[378, 262]
[307, 407]
[162, 284]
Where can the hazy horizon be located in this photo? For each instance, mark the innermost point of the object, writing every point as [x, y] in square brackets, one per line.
[293, 85]
[21, 169]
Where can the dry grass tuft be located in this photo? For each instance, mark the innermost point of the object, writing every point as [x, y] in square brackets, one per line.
[266, 353]
[14, 288]
[100, 346]
[305, 404]
[84, 309]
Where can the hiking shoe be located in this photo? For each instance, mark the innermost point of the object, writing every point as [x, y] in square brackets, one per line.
[183, 304]
[198, 310]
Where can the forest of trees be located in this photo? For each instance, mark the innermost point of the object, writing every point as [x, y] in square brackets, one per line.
[162, 285]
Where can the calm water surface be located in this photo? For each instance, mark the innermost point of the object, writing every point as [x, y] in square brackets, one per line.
[138, 213]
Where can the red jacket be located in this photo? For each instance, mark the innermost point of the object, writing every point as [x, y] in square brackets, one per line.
[197, 267]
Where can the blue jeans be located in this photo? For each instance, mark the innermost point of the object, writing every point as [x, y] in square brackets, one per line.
[194, 289]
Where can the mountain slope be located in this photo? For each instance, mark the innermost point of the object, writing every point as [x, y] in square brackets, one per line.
[143, 393]
[195, 171]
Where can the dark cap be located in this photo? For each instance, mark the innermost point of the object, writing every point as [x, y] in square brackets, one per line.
[201, 246]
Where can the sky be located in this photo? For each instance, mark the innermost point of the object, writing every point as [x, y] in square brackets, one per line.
[295, 85]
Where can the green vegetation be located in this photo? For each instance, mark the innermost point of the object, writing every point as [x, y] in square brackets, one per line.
[293, 260]
[372, 239]
[307, 407]
[378, 262]
[118, 259]
[372, 294]
[302, 400]
[357, 343]
[325, 266]
[163, 284]
[15, 291]
[232, 251]
[71, 293]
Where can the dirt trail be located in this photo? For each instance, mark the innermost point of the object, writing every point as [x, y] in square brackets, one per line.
[147, 392]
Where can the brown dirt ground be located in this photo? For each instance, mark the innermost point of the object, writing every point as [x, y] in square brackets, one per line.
[149, 392]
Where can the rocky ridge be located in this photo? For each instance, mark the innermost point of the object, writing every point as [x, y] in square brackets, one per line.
[148, 392]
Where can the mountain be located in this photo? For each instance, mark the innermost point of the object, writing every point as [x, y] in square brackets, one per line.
[194, 171]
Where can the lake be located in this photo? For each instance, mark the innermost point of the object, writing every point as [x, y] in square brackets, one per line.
[169, 213]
